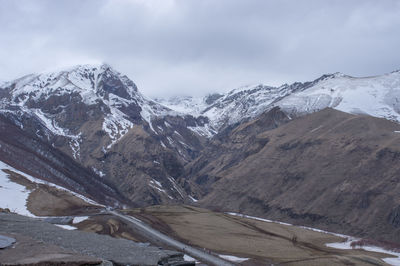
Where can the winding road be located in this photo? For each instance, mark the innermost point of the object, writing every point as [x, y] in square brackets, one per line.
[199, 254]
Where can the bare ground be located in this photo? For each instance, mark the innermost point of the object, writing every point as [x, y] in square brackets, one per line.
[263, 242]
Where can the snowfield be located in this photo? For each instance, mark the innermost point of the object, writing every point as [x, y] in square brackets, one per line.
[12, 195]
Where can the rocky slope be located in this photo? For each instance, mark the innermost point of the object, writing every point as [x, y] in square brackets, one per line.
[329, 170]
[97, 116]
[33, 156]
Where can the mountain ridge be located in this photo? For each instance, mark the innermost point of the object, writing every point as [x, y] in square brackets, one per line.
[300, 98]
[99, 118]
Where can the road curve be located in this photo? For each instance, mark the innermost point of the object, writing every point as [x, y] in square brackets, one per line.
[201, 255]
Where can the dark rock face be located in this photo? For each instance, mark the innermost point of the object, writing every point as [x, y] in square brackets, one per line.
[114, 85]
[328, 170]
[210, 99]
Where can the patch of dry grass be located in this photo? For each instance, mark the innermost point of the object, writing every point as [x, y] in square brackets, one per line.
[261, 241]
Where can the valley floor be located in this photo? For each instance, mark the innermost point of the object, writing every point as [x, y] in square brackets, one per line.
[241, 240]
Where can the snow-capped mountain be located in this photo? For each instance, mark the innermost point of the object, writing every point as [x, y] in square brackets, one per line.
[91, 85]
[98, 117]
[232, 107]
[82, 91]
[376, 96]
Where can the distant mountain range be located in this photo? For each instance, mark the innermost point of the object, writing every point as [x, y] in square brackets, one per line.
[251, 149]
[376, 96]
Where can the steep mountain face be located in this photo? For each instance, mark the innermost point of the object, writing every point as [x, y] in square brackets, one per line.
[330, 170]
[37, 158]
[229, 148]
[98, 117]
[376, 96]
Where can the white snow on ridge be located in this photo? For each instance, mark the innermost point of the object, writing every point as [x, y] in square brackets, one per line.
[116, 126]
[205, 130]
[86, 83]
[376, 96]
[184, 104]
[50, 124]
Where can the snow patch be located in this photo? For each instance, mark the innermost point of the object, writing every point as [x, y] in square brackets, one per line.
[193, 199]
[206, 130]
[157, 185]
[175, 186]
[79, 219]
[98, 172]
[116, 126]
[188, 258]
[66, 227]
[233, 258]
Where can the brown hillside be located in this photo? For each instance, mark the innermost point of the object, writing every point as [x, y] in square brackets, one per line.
[329, 170]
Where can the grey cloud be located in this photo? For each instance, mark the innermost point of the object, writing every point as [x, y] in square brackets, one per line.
[194, 47]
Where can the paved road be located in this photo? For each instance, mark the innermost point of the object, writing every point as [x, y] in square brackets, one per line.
[201, 255]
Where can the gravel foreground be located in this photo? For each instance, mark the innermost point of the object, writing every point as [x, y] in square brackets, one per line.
[118, 251]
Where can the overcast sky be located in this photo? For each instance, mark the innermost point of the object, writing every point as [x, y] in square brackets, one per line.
[194, 47]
